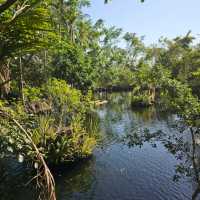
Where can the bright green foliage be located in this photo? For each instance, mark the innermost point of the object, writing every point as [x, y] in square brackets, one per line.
[123, 77]
[25, 31]
[60, 135]
[180, 99]
[55, 39]
[51, 55]
[49, 48]
[73, 66]
[32, 93]
[66, 101]
[182, 58]
[63, 147]
[140, 100]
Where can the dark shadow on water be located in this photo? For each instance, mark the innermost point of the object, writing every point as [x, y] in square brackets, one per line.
[75, 180]
[13, 179]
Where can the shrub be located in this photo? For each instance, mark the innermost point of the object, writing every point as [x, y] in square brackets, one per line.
[140, 101]
[60, 135]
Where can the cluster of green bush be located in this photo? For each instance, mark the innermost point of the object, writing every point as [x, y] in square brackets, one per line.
[55, 117]
[140, 101]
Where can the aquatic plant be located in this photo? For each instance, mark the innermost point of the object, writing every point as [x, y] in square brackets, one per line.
[54, 137]
[140, 101]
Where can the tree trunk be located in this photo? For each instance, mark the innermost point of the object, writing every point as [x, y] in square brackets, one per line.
[4, 78]
[152, 94]
[45, 64]
[21, 81]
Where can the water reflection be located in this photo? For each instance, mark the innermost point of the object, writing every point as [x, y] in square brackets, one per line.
[13, 179]
[176, 138]
[182, 144]
[143, 154]
[75, 181]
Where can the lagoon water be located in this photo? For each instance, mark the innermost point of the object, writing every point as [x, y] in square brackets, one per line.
[141, 156]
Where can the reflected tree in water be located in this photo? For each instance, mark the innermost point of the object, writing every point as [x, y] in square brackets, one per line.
[184, 147]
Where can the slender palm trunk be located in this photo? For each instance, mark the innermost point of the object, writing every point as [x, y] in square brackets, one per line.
[21, 81]
[45, 64]
[4, 78]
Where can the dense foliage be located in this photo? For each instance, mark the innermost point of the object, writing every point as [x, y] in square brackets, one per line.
[52, 55]
[55, 125]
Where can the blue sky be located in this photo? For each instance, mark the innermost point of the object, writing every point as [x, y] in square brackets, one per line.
[154, 18]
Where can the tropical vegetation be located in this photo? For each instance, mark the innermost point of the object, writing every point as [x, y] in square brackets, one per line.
[53, 57]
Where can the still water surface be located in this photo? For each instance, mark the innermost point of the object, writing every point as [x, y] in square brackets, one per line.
[142, 156]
